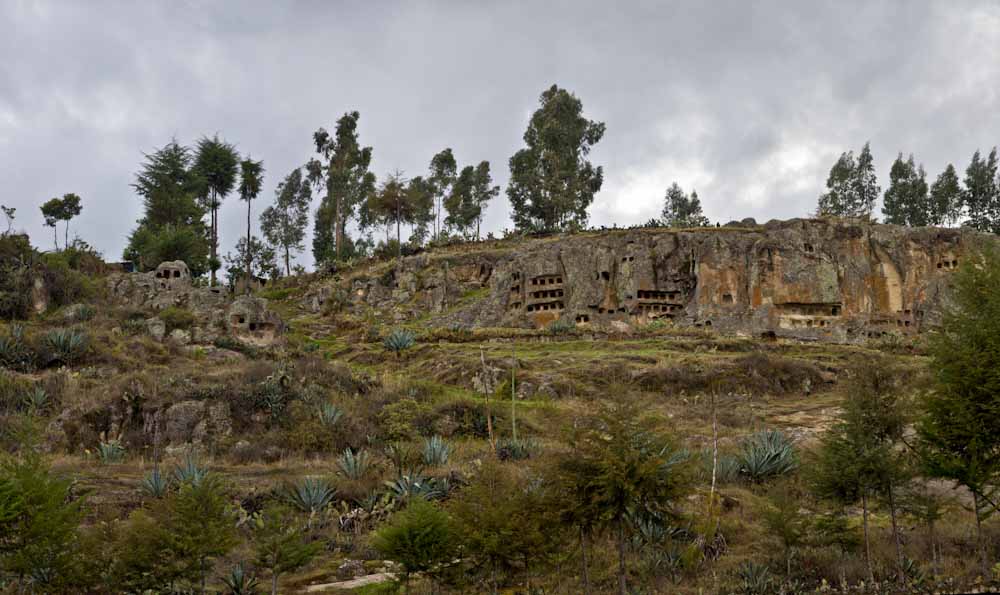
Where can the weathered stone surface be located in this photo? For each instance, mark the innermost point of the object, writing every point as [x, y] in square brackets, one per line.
[250, 321]
[349, 569]
[180, 336]
[823, 279]
[156, 328]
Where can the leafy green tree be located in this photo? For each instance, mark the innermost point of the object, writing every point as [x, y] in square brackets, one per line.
[396, 203]
[858, 457]
[200, 526]
[982, 194]
[502, 522]
[551, 182]
[959, 429]
[680, 210]
[280, 543]
[284, 223]
[216, 164]
[52, 212]
[421, 538]
[172, 222]
[945, 201]
[906, 201]
[442, 179]
[262, 259]
[420, 197]
[470, 193]
[852, 187]
[342, 174]
[141, 559]
[251, 180]
[619, 467]
[38, 545]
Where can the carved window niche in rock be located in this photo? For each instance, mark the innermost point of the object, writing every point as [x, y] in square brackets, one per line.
[173, 275]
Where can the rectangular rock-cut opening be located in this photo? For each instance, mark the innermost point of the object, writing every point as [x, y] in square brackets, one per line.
[606, 275]
[238, 319]
[809, 248]
[177, 274]
[727, 298]
[582, 318]
[835, 311]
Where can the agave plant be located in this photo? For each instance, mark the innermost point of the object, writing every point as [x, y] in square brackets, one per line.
[767, 454]
[398, 341]
[403, 457]
[353, 465]
[755, 579]
[35, 400]
[406, 487]
[190, 471]
[154, 484]
[14, 349]
[329, 414]
[110, 452]
[436, 452]
[510, 449]
[239, 581]
[66, 345]
[310, 494]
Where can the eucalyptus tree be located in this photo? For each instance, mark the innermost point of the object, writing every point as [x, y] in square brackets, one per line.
[442, 178]
[216, 165]
[906, 200]
[681, 210]
[284, 223]
[552, 183]
[341, 172]
[982, 193]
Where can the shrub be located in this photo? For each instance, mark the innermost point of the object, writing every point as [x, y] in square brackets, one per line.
[563, 326]
[154, 484]
[353, 465]
[420, 538]
[176, 318]
[110, 452]
[310, 494]
[767, 454]
[398, 341]
[66, 345]
[436, 452]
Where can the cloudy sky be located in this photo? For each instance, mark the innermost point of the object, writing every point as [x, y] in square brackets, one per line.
[748, 102]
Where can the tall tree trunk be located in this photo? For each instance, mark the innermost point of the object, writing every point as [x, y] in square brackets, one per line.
[66, 239]
[203, 573]
[868, 545]
[338, 233]
[979, 537]
[288, 268]
[622, 588]
[249, 252]
[895, 534]
[274, 583]
[399, 241]
[55, 237]
[585, 571]
[932, 538]
[214, 224]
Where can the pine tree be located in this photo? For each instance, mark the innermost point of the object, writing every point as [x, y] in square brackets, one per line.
[981, 198]
[200, 526]
[858, 457]
[945, 201]
[680, 210]
[280, 543]
[551, 182]
[906, 201]
[959, 428]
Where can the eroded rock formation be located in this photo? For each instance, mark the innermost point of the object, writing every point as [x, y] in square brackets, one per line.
[834, 280]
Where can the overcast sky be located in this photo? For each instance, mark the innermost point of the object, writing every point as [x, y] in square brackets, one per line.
[748, 102]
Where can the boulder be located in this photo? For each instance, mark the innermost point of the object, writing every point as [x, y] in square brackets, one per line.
[249, 320]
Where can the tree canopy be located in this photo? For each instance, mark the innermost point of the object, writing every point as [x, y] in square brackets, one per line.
[852, 187]
[552, 184]
[681, 210]
[284, 223]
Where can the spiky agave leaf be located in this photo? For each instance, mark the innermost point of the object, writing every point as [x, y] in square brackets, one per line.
[436, 451]
[310, 494]
[353, 465]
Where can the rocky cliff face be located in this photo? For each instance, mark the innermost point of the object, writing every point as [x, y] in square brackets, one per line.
[833, 280]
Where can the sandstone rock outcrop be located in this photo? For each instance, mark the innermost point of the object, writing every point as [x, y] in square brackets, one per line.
[822, 279]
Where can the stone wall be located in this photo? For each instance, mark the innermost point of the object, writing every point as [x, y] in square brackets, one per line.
[823, 279]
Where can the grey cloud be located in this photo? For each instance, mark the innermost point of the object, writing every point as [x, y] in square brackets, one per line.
[748, 102]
